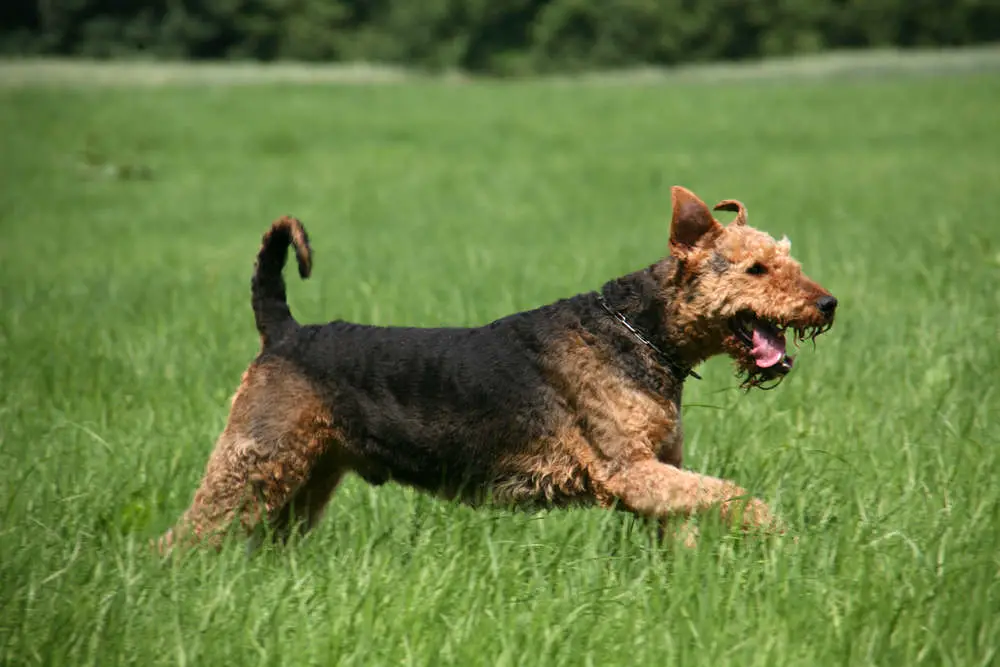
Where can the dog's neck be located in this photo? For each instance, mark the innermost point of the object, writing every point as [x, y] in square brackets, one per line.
[644, 298]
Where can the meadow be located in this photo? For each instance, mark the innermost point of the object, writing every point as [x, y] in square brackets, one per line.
[130, 216]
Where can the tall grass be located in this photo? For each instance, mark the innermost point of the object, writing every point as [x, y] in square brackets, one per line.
[130, 217]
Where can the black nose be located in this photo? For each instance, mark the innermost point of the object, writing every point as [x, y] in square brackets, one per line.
[826, 305]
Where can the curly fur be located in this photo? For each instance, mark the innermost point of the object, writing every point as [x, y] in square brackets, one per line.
[554, 406]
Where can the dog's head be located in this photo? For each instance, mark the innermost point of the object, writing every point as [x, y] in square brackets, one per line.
[737, 290]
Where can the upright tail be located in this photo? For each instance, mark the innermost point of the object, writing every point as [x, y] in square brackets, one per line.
[267, 287]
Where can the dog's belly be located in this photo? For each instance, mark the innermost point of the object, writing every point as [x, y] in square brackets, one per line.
[421, 466]
[452, 434]
[523, 472]
[537, 490]
[521, 490]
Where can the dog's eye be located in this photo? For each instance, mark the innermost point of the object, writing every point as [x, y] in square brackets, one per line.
[757, 269]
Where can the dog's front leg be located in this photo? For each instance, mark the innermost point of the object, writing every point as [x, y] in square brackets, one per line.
[653, 489]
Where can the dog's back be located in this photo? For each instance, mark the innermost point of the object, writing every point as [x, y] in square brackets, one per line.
[431, 407]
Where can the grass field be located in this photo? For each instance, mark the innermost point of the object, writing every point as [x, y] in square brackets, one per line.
[130, 217]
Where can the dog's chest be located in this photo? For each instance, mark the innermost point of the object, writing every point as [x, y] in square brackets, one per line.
[670, 449]
[621, 418]
[629, 423]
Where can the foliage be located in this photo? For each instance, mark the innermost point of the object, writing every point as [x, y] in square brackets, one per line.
[511, 37]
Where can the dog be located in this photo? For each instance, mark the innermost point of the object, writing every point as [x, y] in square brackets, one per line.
[574, 403]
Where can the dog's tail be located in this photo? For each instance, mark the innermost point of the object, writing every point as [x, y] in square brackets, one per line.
[267, 287]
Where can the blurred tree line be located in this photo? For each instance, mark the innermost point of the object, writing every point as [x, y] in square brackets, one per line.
[492, 36]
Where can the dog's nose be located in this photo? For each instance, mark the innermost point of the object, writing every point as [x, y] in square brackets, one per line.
[827, 304]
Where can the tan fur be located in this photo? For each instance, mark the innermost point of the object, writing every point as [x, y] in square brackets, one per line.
[554, 472]
[623, 423]
[279, 439]
[654, 489]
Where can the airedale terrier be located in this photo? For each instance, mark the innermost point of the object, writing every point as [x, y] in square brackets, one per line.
[576, 402]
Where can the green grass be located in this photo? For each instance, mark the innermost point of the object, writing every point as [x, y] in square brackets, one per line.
[130, 217]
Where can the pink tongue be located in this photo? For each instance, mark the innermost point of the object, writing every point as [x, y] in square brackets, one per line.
[768, 347]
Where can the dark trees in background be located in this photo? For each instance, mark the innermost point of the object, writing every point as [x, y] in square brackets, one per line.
[490, 36]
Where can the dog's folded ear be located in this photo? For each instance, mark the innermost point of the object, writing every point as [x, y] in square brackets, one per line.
[692, 222]
[735, 206]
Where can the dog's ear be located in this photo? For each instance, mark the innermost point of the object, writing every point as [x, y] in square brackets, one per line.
[737, 207]
[692, 223]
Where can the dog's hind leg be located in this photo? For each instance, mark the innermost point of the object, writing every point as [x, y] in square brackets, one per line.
[277, 440]
[304, 510]
[653, 489]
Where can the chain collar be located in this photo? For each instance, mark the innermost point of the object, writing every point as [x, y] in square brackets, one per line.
[681, 370]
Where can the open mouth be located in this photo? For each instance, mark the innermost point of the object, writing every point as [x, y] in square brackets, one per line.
[764, 356]
[765, 343]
